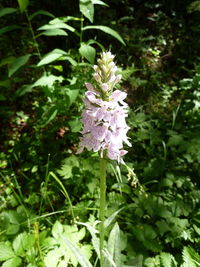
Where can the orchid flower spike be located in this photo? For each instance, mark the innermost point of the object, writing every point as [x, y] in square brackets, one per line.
[104, 117]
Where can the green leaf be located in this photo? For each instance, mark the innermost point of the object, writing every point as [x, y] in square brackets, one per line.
[41, 12]
[75, 125]
[114, 244]
[23, 4]
[6, 251]
[72, 94]
[7, 10]
[167, 260]
[110, 219]
[47, 80]
[14, 262]
[54, 32]
[9, 28]
[49, 115]
[84, 262]
[22, 243]
[18, 62]
[88, 52]
[57, 229]
[95, 239]
[67, 166]
[99, 2]
[87, 9]
[107, 30]
[51, 56]
[57, 24]
[23, 90]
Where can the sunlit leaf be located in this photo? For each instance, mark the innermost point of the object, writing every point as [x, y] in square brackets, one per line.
[54, 32]
[6, 251]
[84, 262]
[14, 262]
[87, 9]
[99, 2]
[107, 30]
[51, 56]
[56, 24]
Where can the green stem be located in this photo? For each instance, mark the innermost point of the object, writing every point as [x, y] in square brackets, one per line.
[102, 206]
[34, 38]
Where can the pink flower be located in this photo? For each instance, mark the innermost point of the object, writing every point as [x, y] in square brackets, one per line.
[104, 116]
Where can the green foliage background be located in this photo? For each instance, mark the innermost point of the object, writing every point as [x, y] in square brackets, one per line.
[49, 196]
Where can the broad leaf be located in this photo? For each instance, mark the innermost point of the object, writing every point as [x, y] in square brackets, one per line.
[41, 12]
[54, 32]
[14, 262]
[87, 9]
[88, 52]
[107, 30]
[51, 56]
[18, 62]
[23, 4]
[95, 239]
[84, 262]
[22, 243]
[7, 10]
[167, 259]
[67, 165]
[6, 251]
[75, 125]
[56, 24]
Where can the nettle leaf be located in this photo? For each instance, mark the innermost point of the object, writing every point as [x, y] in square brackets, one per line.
[87, 9]
[107, 30]
[23, 4]
[190, 257]
[167, 260]
[51, 56]
[88, 52]
[18, 63]
[41, 12]
[14, 262]
[6, 251]
[47, 80]
[7, 10]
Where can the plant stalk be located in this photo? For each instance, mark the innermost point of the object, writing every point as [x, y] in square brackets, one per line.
[103, 164]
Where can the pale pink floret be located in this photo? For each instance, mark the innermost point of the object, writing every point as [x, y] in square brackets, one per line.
[104, 123]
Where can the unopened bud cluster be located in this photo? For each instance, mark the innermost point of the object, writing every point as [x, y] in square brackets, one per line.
[104, 124]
